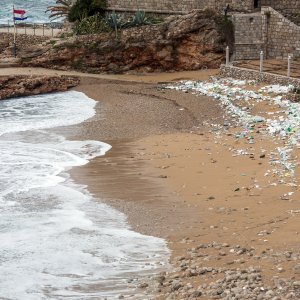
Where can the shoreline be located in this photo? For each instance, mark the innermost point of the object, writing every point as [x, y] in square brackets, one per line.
[174, 176]
[141, 177]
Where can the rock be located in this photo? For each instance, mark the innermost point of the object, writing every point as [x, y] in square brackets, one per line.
[296, 284]
[183, 42]
[20, 86]
[176, 286]
[297, 269]
[202, 271]
[143, 285]
[161, 279]
[162, 176]
[269, 294]
[280, 270]
[196, 294]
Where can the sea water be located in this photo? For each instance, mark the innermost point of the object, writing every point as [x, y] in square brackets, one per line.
[35, 10]
[56, 240]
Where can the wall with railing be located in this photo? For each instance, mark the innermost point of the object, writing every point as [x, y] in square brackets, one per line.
[38, 29]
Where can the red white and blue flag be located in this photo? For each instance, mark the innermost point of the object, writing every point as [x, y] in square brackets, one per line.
[19, 14]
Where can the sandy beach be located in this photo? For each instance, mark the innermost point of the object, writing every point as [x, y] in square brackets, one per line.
[175, 177]
[223, 195]
[124, 177]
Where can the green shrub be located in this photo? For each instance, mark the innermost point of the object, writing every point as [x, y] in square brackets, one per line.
[86, 8]
[226, 30]
[115, 22]
[138, 19]
[91, 25]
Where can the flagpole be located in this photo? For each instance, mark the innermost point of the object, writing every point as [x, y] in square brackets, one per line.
[14, 46]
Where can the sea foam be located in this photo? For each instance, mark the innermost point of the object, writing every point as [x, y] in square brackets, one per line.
[57, 241]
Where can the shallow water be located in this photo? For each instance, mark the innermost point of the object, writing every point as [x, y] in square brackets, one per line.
[57, 242]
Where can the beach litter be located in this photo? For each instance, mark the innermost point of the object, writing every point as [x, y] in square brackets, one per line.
[280, 122]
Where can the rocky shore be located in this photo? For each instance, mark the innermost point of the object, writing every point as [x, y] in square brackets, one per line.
[189, 42]
[229, 282]
[19, 86]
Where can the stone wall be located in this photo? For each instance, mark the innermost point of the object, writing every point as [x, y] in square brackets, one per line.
[23, 41]
[249, 39]
[237, 5]
[156, 5]
[283, 36]
[282, 5]
[246, 74]
[182, 6]
[268, 31]
[177, 6]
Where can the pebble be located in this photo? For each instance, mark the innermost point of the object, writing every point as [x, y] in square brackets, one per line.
[232, 281]
[143, 285]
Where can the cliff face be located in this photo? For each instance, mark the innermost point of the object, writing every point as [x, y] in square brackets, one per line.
[18, 86]
[188, 42]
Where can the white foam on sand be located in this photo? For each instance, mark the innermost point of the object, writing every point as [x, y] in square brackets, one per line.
[57, 241]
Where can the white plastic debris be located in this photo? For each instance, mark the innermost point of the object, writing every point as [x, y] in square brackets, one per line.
[232, 94]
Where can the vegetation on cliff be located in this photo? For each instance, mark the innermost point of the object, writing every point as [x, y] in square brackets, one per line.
[86, 8]
[188, 42]
[61, 9]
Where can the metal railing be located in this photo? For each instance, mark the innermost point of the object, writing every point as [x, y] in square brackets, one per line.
[286, 66]
[37, 29]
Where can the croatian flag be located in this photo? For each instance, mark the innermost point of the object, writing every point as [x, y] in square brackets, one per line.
[19, 15]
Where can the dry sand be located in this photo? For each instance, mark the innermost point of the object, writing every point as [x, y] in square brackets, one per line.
[175, 178]
[146, 78]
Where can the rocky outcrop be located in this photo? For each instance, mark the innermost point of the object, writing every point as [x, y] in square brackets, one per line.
[18, 86]
[193, 41]
[24, 43]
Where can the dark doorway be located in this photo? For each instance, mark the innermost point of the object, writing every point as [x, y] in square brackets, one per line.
[256, 3]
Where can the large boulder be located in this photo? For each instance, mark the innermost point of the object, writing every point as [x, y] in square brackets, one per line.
[19, 86]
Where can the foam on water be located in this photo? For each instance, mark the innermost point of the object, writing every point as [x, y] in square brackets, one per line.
[35, 10]
[58, 242]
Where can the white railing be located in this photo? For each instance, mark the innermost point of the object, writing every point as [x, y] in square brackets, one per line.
[38, 29]
[288, 65]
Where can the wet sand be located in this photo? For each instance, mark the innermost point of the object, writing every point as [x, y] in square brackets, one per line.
[175, 178]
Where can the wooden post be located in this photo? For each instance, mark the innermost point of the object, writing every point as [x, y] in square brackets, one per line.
[43, 29]
[8, 26]
[33, 28]
[52, 31]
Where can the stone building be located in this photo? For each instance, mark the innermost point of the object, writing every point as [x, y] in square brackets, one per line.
[179, 6]
[183, 6]
[268, 31]
[260, 25]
